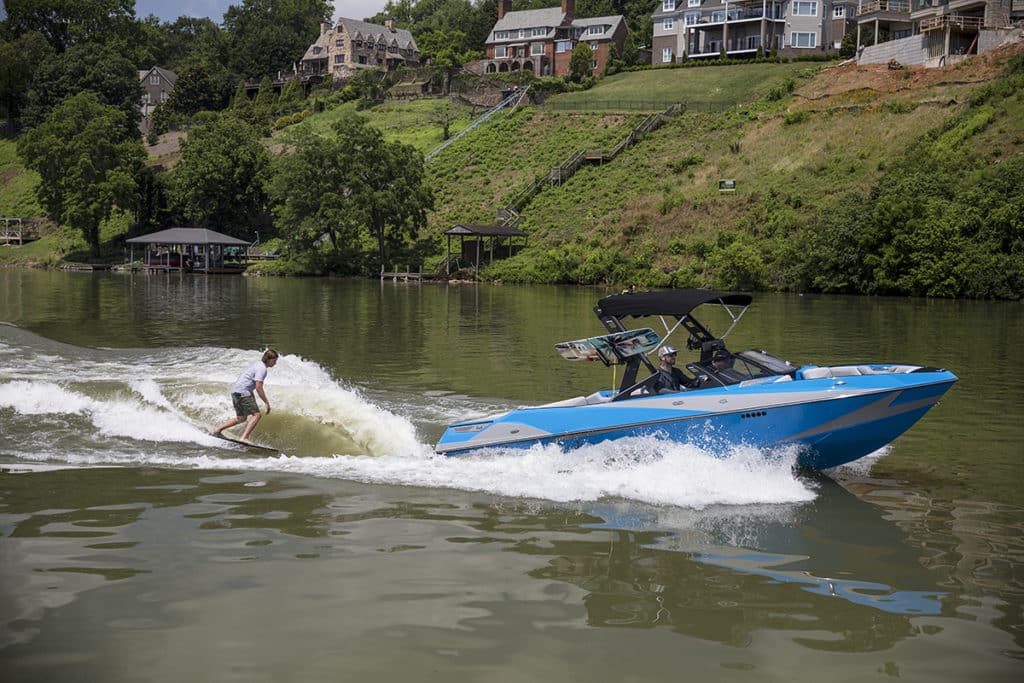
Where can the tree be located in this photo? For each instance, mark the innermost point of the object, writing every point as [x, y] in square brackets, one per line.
[86, 162]
[446, 51]
[89, 66]
[218, 183]
[194, 91]
[351, 181]
[268, 36]
[19, 60]
[69, 22]
[581, 62]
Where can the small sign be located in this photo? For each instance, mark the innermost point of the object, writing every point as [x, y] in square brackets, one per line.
[726, 185]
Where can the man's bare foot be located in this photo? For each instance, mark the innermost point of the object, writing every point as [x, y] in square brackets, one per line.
[216, 432]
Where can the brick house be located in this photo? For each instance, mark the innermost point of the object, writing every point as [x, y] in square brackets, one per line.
[157, 84]
[350, 45]
[542, 40]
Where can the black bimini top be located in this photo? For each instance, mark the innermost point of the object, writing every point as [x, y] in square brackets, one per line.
[675, 302]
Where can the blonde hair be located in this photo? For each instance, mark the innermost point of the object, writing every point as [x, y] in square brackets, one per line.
[270, 354]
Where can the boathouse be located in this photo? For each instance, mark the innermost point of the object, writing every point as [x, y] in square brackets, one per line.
[483, 244]
[192, 249]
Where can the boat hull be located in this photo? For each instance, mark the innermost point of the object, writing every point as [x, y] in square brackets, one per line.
[832, 421]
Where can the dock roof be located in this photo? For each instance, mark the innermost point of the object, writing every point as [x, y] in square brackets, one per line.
[188, 236]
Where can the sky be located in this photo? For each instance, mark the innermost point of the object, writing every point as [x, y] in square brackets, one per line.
[169, 10]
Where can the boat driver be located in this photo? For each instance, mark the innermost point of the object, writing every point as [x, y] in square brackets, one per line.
[668, 378]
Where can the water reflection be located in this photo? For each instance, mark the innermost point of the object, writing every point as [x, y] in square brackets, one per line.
[845, 573]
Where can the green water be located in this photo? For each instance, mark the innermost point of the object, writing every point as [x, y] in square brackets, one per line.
[133, 549]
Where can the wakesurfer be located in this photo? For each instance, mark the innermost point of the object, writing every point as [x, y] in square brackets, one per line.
[246, 408]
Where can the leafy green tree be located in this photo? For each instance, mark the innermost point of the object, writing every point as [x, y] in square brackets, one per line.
[353, 180]
[581, 61]
[218, 183]
[19, 60]
[291, 95]
[446, 52]
[69, 22]
[266, 99]
[89, 66]
[194, 91]
[267, 36]
[86, 162]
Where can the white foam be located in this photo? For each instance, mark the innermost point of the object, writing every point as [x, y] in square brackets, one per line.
[155, 407]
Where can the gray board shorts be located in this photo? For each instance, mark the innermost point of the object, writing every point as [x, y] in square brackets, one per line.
[245, 404]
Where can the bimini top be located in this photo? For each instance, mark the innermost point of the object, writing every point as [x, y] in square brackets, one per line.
[676, 302]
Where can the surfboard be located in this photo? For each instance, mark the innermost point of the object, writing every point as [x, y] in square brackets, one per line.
[604, 348]
[242, 443]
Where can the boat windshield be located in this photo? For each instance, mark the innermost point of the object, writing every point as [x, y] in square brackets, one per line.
[728, 368]
[769, 364]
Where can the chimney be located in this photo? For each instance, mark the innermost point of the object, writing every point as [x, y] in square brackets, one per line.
[323, 27]
[504, 7]
[569, 10]
[389, 24]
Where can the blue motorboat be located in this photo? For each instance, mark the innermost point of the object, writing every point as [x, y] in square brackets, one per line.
[832, 414]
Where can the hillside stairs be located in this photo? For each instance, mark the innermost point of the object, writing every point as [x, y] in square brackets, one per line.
[514, 99]
[508, 215]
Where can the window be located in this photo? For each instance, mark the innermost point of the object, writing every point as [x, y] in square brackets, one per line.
[339, 59]
[522, 33]
[666, 24]
[717, 17]
[668, 5]
[693, 3]
[838, 12]
[802, 39]
[593, 45]
[563, 46]
[501, 35]
[666, 55]
[537, 49]
[691, 18]
[595, 30]
[362, 59]
[163, 95]
[340, 42]
[539, 31]
[500, 51]
[803, 8]
[154, 79]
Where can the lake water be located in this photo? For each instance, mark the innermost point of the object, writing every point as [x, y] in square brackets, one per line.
[134, 547]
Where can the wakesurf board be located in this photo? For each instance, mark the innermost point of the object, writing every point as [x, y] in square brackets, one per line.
[243, 443]
[610, 348]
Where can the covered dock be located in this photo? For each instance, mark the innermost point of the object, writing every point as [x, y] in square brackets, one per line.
[190, 249]
[500, 243]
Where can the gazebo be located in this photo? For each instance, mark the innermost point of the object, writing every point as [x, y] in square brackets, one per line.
[473, 252]
[195, 249]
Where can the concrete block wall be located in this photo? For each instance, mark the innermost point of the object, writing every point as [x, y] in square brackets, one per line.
[911, 50]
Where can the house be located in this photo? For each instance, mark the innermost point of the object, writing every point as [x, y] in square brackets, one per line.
[157, 84]
[931, 33]
[703, 29]
[350, 45]
[542, 40]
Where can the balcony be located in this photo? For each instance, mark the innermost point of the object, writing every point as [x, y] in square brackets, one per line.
[954, 21]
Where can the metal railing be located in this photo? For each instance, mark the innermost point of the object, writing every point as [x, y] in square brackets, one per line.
[512, 100]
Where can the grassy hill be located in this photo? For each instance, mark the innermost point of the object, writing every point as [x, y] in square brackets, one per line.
[803, 141]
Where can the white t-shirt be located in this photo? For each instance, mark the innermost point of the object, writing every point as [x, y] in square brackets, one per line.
[246, 382]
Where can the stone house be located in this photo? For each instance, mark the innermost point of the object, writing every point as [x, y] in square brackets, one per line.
[350, 45]
[542, 40]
